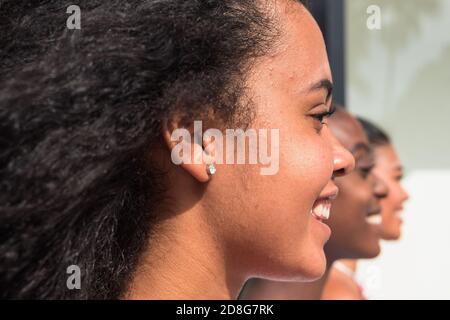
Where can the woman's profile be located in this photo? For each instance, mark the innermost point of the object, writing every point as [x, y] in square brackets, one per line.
[86, 172]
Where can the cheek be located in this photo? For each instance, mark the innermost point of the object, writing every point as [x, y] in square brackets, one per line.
[392, 200]
[355, 195]
[310, 160]
[396, 193]
[364, 197]
[279, 205]
[388, 205]
[305, 169]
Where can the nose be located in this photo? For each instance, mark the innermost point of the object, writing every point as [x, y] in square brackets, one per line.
[380, 189]
[405, 194]
[343, 160]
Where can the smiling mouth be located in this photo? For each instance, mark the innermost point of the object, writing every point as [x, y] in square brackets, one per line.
[321, 209]
[322, 206]
[374, 217]
[399, 213]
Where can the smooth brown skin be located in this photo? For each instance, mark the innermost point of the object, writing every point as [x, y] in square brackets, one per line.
[340, 286]
[389, 169]
[352, 237]
[361, 194]
[238, 224]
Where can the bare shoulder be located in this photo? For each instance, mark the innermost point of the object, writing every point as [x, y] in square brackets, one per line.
[341, 287]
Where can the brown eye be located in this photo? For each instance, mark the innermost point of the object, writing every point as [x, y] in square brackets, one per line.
[365, 171]
[321, 117]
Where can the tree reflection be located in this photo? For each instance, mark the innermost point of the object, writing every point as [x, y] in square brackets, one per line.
[402, 21]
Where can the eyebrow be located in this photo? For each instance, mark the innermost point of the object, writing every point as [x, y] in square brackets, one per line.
[323, 84]
[361, 146]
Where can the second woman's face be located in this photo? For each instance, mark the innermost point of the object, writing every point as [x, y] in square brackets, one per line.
[270, 223]
[389, 169]
[354, 233]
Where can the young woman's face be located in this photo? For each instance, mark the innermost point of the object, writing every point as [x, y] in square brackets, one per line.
[389, 169]
[354, 235]
[267, 221]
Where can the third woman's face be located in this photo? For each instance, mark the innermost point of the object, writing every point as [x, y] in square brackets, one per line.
[354, 233]
[389, 169]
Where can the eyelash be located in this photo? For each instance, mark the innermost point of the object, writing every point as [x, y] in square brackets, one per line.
[365, 171]
[320, 117]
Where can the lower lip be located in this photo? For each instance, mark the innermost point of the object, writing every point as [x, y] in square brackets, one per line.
[325, 229]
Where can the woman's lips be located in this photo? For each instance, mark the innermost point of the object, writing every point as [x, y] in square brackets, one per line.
[374, 219]
[374, 216]
[322, 206]
[399, 212]
[321, 209]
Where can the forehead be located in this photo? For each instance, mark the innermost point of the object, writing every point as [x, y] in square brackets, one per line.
[386, 154]
[300, 49]
[348, 131]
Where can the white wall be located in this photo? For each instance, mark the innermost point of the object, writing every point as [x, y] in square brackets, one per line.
[399, 77]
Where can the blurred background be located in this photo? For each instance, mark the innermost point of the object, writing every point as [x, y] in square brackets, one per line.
[399, 77]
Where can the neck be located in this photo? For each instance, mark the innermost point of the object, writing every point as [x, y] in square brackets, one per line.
[185, 263]
[313, 290]
[351, 264]
[260, 289]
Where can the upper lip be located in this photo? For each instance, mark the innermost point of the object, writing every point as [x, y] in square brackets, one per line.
[374, 211]
[329, 194]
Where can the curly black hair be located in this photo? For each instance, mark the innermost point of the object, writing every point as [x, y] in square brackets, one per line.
[78, 112]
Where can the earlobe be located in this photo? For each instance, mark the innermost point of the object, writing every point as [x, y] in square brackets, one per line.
[186, 151]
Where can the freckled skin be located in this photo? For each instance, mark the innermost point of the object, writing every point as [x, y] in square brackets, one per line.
[352, 237]
[282, 239]
[242, 224]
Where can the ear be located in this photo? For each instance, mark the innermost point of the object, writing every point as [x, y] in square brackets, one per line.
[187, 148]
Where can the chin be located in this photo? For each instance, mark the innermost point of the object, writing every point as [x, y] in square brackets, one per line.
[299, 264]
[369, 251]
[391, 231]
[312, 267]
[316, 268]
[373, 252]
[392, 236]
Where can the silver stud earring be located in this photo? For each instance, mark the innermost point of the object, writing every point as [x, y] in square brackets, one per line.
[211, 169]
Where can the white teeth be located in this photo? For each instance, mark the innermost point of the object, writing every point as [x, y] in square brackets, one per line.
[322, 210]
[375, 219]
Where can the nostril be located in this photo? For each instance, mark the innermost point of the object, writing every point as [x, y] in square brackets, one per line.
[343, 165]
[339, 173]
